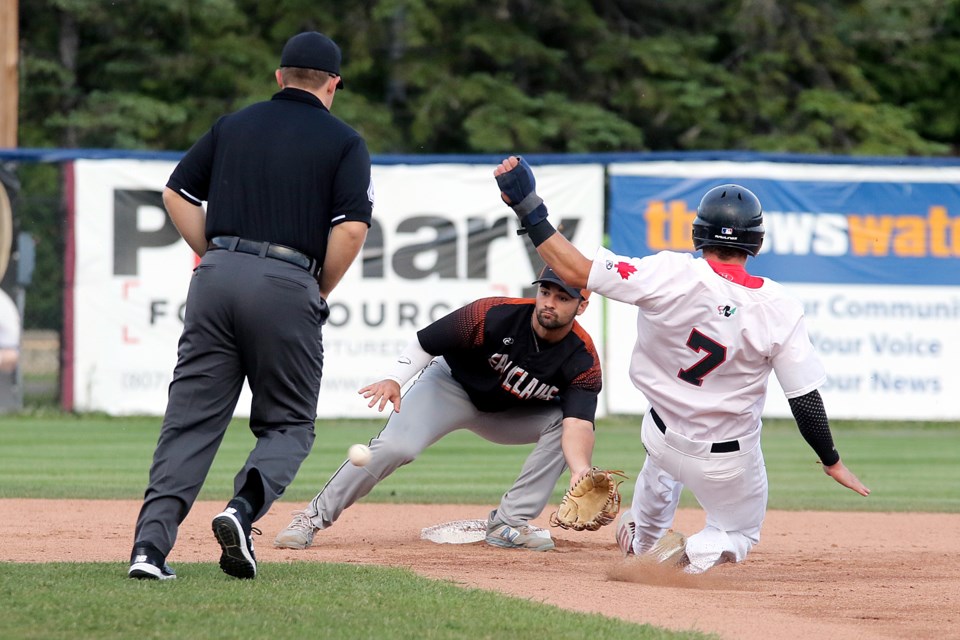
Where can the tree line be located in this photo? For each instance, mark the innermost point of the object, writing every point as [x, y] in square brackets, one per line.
[861, 77]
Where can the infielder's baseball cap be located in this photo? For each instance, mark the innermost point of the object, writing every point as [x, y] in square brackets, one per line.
[549, 275]
[312, 50]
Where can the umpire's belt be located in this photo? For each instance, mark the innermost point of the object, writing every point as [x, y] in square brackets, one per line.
[267, 250]
[716, 447]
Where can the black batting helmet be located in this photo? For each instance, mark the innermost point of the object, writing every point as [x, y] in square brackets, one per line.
[729, 216]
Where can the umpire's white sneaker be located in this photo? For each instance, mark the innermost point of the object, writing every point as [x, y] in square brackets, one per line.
[500, 534]
[671, 549]
[233, 532]
[298, 534]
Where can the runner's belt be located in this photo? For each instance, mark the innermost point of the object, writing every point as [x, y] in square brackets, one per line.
[716, 447]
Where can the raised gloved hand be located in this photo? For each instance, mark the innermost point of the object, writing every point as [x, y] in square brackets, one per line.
[518, 190]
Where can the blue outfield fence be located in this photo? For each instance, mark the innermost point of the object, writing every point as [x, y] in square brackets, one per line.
[65, 155]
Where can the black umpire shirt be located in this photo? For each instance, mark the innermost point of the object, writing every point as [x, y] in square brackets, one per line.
[283, 171]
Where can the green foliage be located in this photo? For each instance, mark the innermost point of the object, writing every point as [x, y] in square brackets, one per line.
[119, 119]
[73, 601]
[868, 77]
[823, 119]
[910, 52]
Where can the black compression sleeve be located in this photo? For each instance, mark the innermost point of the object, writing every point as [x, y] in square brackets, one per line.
[812, 420]
[539, 232]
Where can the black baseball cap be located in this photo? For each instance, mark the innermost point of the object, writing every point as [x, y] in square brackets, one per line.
[312, 50]
[549, 275]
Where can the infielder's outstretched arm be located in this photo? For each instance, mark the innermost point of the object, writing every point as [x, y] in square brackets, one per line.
[382, 392]
[517, 186]
[408, 364]
[577, 443]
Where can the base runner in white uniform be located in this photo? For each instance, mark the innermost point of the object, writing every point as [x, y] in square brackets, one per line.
[708, 336]
[511, 370]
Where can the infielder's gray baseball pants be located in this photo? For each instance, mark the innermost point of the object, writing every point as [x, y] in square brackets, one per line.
[246, 317]
[434, 406]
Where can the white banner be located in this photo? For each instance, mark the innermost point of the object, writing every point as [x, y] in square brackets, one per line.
[888, 351]
[441, 238]
[130, 280]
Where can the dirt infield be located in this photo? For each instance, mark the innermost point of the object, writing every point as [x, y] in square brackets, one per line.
[843, 576]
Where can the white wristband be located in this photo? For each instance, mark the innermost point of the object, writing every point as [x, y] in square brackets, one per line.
[410, 363]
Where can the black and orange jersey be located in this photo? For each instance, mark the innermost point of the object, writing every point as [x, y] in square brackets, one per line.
[493, 354]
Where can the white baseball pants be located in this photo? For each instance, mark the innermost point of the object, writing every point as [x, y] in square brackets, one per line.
[731, 488]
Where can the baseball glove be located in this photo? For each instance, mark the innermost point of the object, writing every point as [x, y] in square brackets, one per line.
[591, 503]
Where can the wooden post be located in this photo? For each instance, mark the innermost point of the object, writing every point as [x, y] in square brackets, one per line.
[9, 89]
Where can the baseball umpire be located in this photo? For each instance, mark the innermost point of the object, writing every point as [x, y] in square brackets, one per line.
[289, 202]
[708, 336]
[511, 370]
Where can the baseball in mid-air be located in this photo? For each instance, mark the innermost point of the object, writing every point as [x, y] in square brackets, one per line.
[359, 454]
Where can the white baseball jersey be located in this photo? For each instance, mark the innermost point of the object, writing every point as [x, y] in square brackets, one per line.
[706, 346]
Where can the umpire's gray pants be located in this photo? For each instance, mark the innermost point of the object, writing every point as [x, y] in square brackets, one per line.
[246, 317]
[434, 406]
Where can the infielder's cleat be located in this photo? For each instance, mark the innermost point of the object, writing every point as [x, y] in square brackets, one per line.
[626, 530]
[147, 563]
[237, 559]
[298, 534]
[500, 534]
[671, 549]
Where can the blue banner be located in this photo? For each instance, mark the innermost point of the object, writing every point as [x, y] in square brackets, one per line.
[819, 229]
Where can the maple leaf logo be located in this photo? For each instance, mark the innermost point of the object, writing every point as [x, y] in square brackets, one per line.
[625, 269]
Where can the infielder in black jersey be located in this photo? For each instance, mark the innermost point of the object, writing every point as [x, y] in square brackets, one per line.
[513, 371]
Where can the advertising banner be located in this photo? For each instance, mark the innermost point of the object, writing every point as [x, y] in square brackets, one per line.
[871, 251]
[441, 238]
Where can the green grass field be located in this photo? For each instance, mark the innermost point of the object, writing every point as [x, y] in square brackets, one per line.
[909, 467]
